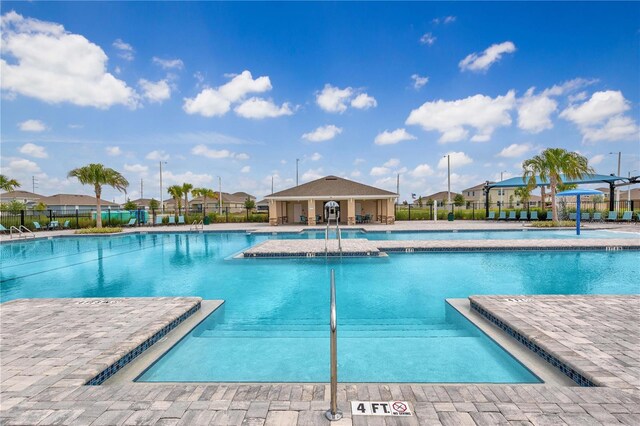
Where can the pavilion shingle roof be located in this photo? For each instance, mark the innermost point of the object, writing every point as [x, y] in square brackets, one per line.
[332, 186]
[74, 200]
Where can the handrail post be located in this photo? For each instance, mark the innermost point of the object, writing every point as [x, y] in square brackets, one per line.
[333, 414]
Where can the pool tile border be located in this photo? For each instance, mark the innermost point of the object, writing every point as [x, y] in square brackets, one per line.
[565, 368]
[135, 352]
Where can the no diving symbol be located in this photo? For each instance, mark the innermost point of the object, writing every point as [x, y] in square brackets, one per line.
[399, 407]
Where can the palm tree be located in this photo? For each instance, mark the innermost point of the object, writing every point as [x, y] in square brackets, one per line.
[524, 195]
[99, 175]
[550, 164]
[186, 188]
[176, 193]
[249, 204]
[204, 193]
[7, 184]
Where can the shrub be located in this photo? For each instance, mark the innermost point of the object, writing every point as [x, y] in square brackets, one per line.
[551, 224]
[98, 231]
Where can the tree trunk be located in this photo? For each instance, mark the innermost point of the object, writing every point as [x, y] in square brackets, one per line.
[543, 197]
[553, 198]
[204, 206]
[186, 205]
[98, 207]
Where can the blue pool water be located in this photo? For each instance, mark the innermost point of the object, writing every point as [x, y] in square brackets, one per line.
[394, 323]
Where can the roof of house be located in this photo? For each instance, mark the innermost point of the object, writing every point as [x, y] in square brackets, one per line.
[332, 186]
[74, 200]
[17, 195]
[142, 202]
[227, 198]
[442, 195]
[243, 195]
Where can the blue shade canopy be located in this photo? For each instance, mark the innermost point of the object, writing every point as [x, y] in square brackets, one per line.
[518, 181]
[578, 192]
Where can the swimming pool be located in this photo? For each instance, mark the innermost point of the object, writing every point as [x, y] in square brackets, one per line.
[394, 323]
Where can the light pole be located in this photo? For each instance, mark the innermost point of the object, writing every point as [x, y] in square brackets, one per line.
[161, 200]
[448, 178]
[297, 161]
[617, 189]
[219, 195]
[272, 184]
[501, 189]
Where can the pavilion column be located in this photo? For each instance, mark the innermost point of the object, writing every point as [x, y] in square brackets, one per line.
[351, 212]
[390, 217]
[612, 197]
[311, 212]
[273, 212]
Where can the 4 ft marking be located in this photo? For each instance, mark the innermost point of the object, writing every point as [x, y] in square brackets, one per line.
[380, 408]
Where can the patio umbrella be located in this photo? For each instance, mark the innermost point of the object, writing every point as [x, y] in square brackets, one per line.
[577, 193]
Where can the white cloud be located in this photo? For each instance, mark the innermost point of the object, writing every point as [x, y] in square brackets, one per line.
[54, 66]
[245, 169]
[322, 133]
[312, 174]
[32, 126]
[217, 102]
[242, 156]
[457, 159]
[168, 63]
[136, 168]
[155, 92]
[379, 171]
[418, 81]
[422, 170]
[259, 108]
[482, 61]
[596, 159]
[75, 126]
[459, 182]
[534, 112]
[316, 156]
[364, 101]
[578, 97]
[21, 166]
[125, 49]
[114, 151]
[444, 20]
[211, 153]
[451, 118]
[359, 161]
[157, 155]
[392, 162]
[193, 178]
[33, 150]
[601, 118]
[393, 137]
[356, 173]
[333, 99]
[515, 150]
[428, 39]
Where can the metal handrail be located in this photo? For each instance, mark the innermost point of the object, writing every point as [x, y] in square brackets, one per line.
[11, 232]
[26, 230]
[339, 234]
[333, 413]
[326, 237]
[197, 225]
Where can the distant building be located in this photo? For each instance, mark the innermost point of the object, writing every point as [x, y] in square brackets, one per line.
[235, 203]
[143, 203]
[475, 194]
[29, 199]
[67, 203]
[262, 205]
[440, 197]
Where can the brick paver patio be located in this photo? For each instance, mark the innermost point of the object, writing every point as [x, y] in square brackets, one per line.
[50, 347]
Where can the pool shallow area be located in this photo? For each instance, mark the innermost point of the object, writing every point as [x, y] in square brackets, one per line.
[394, 322]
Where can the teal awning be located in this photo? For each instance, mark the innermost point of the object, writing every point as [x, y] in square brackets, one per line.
[517, 181]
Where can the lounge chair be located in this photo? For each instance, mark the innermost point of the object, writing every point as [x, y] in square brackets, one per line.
[37, 226]
[585, 217]
[534, 215]
[548, 215]
[492, 216]
[503, 216]
[512, 215]
[158, 220]
[318, 218]
[572, 216]
[358, 218]
[523, 215]
[181, 220]
[613, 216]
[54, 224]
[132, 222]
[172, 220]
[627, 216]
[66, 224]
[303, 219]
[3, 229]
[367, 218]
[597, 217]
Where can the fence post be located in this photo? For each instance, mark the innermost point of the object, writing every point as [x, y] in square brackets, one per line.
[473, 210]
[409, 212]
[50, 215]
[226, 213]
[77, 220]
[21, 217]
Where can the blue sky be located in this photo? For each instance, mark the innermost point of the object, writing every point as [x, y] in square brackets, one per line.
[360, 90]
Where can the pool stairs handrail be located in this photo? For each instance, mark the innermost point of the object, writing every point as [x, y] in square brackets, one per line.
[333, 414]
[197, 225]
[23, 232]
[338, 233]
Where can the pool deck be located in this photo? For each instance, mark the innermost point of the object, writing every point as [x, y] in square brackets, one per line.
[51, 347]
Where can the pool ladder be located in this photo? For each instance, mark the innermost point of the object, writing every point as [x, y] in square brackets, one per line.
[23, 232]
[196, 226]
[338, 233]
[333, 414]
